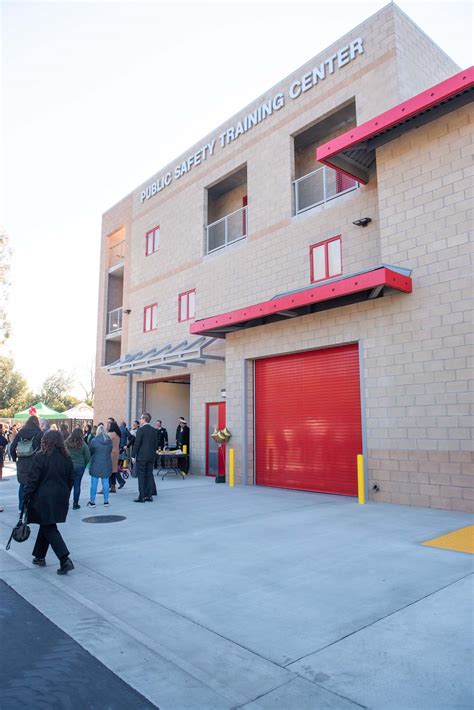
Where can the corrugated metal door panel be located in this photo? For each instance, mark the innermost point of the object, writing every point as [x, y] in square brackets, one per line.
[308, 420]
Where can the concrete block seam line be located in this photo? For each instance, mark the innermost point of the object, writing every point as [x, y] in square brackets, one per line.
[373, 623]
[291, 680]
[191, 621]
[154, 647]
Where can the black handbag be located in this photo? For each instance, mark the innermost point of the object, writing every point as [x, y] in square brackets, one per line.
[21, 531]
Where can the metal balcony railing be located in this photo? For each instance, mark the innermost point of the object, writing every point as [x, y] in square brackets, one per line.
[117, 253]
[227, 230]
[320, 186]
[114, 322]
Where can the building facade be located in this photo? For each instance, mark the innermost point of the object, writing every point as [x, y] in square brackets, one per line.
[303, 276]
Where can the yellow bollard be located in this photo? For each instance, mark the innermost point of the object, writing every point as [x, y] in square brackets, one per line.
[231, 468]
[360, 479]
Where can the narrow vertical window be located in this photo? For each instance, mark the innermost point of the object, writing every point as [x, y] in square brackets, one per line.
[152, 241]
[187, 305]
[326, 259]
[150, 318]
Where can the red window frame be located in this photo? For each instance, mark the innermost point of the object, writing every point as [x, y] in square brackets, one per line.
[186, 294]
[326, 258]
[146, 310]
[155, 232]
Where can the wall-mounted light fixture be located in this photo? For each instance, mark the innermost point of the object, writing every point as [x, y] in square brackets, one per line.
[127, 311]
[223, 393]
[362, 222]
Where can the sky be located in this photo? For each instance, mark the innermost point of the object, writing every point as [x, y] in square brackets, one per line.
[98, 96]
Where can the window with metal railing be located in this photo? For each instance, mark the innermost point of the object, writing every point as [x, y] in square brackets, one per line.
[319, 187]
[117, 253]
[114, 322]
[227, 230]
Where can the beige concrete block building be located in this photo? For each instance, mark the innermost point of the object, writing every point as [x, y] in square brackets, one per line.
[303, 276]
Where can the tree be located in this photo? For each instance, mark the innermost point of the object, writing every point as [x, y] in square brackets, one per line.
[14, 392]
[5, 255]
[89, 387]
[55, 392]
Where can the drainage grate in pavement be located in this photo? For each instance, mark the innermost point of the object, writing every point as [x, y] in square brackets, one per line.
[104, 519]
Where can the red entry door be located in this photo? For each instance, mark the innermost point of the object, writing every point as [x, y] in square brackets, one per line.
[308, 420]
[215, 454]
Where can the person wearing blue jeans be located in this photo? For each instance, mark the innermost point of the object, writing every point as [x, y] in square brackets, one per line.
[105, 490]
[100, 465]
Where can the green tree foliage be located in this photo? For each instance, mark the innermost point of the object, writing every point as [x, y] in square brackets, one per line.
[14, 392]
[55, 392]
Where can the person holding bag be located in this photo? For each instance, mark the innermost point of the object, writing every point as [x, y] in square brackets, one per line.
[25, 444]
[46, 497]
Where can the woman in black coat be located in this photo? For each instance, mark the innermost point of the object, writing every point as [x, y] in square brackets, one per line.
[30, 432]
[47, 498]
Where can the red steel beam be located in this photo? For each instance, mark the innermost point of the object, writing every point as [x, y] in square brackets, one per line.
[396, 115]
[317, 294]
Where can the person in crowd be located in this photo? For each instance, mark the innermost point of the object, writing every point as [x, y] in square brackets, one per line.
[115, 433]
[3, 447]
[44, 425]
[133, 432]
[64, 429]
[144, 454]
[123, 435]
[47, 499]
[162, 435]
[25, 444]
[100, 465]
[53, 427]
[80, 455]
[12, 432]
[182, 434]
[88, 435]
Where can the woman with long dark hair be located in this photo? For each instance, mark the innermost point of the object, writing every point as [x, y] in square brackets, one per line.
[23, 448]
[114, 432]
[47, 499]
[80, 455]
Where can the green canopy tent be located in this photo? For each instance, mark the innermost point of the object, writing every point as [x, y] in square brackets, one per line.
[41, 410]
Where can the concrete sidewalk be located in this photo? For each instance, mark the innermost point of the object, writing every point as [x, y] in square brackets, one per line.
[257, 598]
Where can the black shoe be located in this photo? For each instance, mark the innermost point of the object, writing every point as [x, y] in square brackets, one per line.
[121, 485]
[149, 500]
[76, 506]
[139, 500]
[66, 567]
[40, 561]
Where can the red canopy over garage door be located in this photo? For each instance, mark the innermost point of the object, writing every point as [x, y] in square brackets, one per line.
[308, 420]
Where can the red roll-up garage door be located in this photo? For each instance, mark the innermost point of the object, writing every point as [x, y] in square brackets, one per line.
[308, 420]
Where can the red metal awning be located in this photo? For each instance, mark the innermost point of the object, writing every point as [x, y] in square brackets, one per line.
[353, 152]
[331, 294]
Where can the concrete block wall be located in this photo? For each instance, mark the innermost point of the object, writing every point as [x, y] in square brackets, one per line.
[425, 198]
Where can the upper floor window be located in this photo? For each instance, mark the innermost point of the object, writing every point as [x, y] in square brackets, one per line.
[326, 259]
[187, 305]
[152, 240]
[150, 317]
[226, 211]
[314, 183]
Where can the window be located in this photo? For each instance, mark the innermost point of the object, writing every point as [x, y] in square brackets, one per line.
[326, 259]
[150, 318]
[152, 241]
[187, 305]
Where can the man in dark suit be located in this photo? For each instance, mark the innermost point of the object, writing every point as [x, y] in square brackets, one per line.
[144, 453]
[162, 435]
